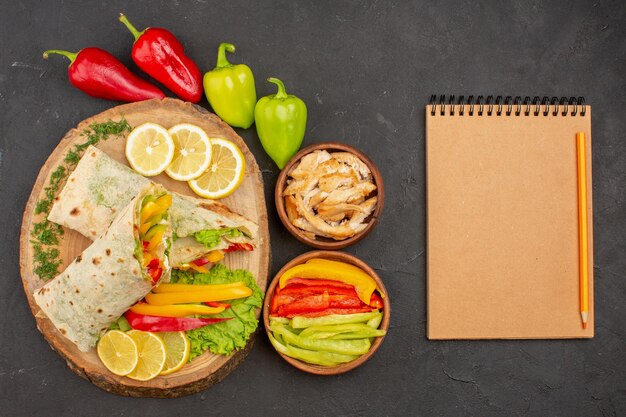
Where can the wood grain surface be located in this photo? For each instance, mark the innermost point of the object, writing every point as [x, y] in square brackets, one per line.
[248, 200]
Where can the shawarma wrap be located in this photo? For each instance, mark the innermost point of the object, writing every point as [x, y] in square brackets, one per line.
[99, 187]
[117, 270]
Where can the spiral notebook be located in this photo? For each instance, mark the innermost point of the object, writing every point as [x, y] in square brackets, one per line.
[502, 201]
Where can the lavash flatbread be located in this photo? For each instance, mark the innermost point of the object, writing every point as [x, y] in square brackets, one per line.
[99, 187]
[103, 282]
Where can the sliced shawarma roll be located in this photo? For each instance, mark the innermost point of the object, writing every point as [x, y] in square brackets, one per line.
[117, 270]
[99, 187]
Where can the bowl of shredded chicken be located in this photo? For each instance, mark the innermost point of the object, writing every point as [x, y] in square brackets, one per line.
[329, 195]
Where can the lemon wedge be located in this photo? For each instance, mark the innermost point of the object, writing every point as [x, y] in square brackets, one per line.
[192, 152]
[225, 172]
[149, 149]
[177, 347]
[152, 355]
[118, 352]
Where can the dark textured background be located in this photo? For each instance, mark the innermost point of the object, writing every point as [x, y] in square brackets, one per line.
[365, 70]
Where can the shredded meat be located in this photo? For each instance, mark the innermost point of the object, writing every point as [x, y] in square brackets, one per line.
[330, 195]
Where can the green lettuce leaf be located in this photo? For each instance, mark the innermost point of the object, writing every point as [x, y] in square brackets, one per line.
[211, 238]
[225, 337]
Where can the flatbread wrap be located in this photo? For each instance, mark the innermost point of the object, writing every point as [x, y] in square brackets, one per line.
[119, 268]
[99, 187]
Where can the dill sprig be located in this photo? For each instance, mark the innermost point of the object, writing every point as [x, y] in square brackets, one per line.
[45, 234]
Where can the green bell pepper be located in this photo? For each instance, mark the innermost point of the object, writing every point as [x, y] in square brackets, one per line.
[230, 90]
[280, 122]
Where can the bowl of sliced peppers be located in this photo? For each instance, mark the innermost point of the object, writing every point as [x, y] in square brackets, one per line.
[326, 312]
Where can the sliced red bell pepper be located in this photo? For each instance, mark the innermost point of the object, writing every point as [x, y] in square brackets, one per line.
[376, 301]
[306, 304]
[200, 261]
[145, 244]
[345, 301]
[155, 274]
[298, 291]
[168, 324]
[239, 246]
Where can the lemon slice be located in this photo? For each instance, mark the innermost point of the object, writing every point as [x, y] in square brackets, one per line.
[118, 352]
[177, 347]
[149, 149]
[152, 355]
[225, 172]
[192, 152]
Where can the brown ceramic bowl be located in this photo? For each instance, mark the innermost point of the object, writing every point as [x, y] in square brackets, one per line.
[322, 242]
[334, 256]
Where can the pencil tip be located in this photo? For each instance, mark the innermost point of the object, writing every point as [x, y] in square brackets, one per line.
[584, 325]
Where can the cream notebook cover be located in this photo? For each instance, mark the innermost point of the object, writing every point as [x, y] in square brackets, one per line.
[502, 219]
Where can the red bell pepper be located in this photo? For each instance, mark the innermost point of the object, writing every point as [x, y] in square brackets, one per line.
[239, 246]
[305, 305]
[200, 261]
[168, 324]
[157, 52]
[154, 270]
[292, 292]
[98, 73]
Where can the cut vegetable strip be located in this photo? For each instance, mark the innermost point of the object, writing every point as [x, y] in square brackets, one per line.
[179, 310]
[302, 322]
[198, 296]
[168, 324]
[169, 288]
[346, 347]
[362, 282]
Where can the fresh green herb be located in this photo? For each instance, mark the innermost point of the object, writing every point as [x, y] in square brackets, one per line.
[225, 337]
[45, 234]
[211, 238]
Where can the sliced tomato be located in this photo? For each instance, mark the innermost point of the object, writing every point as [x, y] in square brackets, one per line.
[200, 261]
[155, 274]
[239, 246]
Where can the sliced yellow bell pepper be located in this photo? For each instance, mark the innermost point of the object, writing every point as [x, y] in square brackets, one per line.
[147, 257]
[168, 288]
[215, 256]
[164, 202]
[154, 236]
[364, 285]
[340, 265]
[149, 210]
[180, 310]
[198, 296]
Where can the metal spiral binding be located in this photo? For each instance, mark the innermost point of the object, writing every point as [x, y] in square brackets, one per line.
[515, 106]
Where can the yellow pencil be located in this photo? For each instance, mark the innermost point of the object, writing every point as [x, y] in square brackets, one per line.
[581, 148]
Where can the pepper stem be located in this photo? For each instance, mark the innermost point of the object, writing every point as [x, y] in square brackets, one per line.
[130, 27]
[281, 87]
[70, 55]
[221, 54]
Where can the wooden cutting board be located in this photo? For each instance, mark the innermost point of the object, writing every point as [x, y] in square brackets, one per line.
[248, 200]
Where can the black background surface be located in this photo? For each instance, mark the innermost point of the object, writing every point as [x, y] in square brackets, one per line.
[366, 71]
